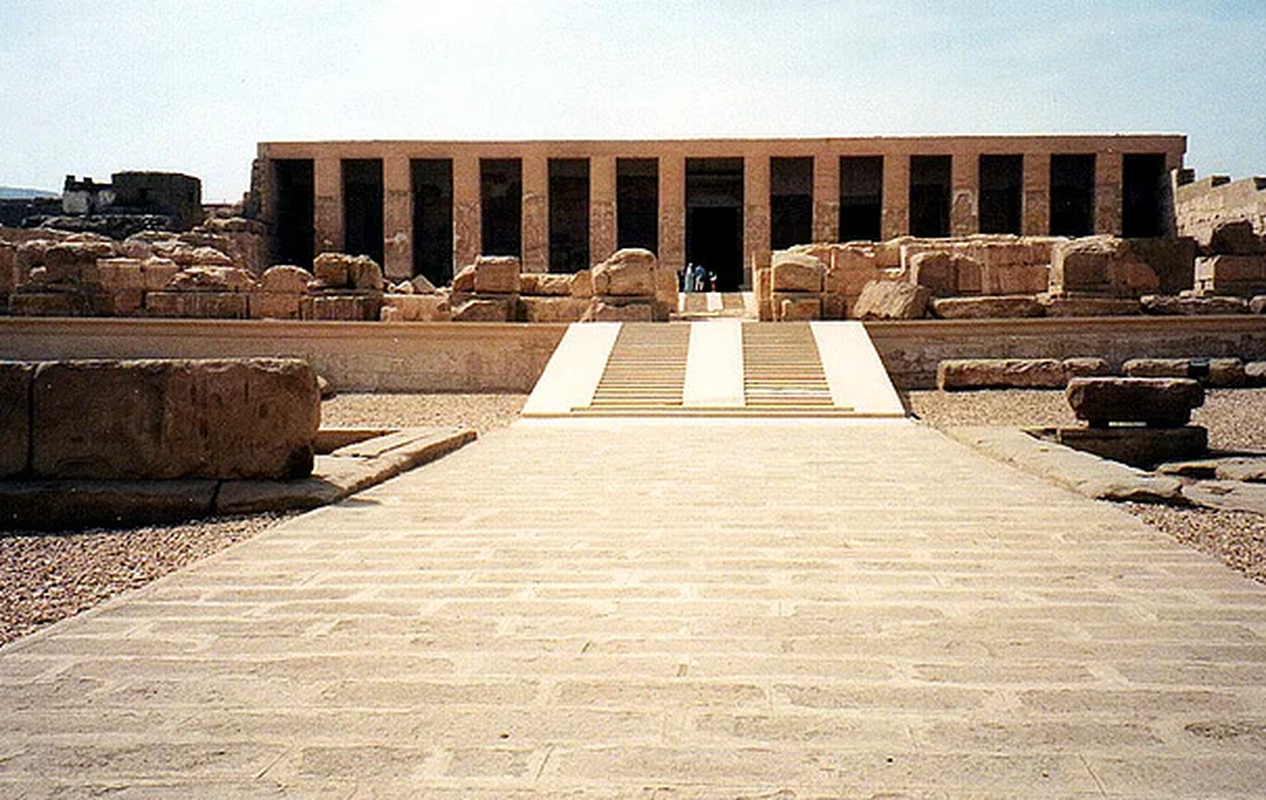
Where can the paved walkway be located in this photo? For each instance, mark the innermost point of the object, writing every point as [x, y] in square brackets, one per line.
[637, 610]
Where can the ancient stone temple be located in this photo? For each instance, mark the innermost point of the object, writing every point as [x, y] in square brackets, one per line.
[559, 206]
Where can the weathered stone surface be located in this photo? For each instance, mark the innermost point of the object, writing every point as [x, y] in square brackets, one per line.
[67, 262]
[464, 280]
[1236, 237]
[1059, 305]
[497, 275]
[1159, 402]
[834, 306]
[200, 305]
[1165, 305]
[600, 311]
[1220, 372]
[202, 278]
[1004, 306]
[343, 307]
[422, 285]
[946, 274]
[8, 267]
[1237, 275]
[285, 279]
[1100, 265]
[1086, 367]
[1255, 373]
[15, 420]
[796, 272]
[582, 284]
[1172, 259]
[1137, 446]
[116, 274]
[484, 310]
[49, 304]
[545, 284]
[627, 273]
[188, 256]
[158, 272]
[891, 300]
[118, 303]
[343, 271]
[552, 309]
[1001, 373]
[270, 305]
[415, 308]
[797, 307]
[1257, 305]
[121, 420]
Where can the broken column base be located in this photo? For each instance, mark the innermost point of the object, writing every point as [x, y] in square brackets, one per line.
[1137, 445]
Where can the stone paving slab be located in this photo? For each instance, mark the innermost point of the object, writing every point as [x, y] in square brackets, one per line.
[689, 611]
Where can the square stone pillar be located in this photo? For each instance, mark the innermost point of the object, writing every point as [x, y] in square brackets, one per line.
[672, 212]
[535, 255]
[1109, 174]
[327, 191]
[896, 216]
[826, 197]
[1036, 211]
[602, 231]
[756, 215]
[467, 224]
[397, 218]
[964, 194]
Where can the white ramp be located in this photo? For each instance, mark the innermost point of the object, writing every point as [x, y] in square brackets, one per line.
[854, 371]
[714, 366]
[573, 372]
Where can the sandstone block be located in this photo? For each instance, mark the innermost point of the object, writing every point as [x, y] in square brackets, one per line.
[497, 275]
[343, 307]
[422, 285]
[1086, 367]
[1221, 372]
[582, 284]
[1236, 237]
[199, 305]
[201, 278]
[1139, 447]
[796, 272]
[1001, 373]
[49, 304]
[834, 306]
[602, 311]
[1056, 305]
[15, 420]
[891, 300]
[484, 310]
[67, 262]
[1240, 275]
[285, 279]
[157, 273]
[1255, 373]
[1100, 265]
[987, 307]
[666, 289]
[1015, 279]
[275, 305]
[946, 274]
[552, 309]
[8, 267]
[115, 274]
[1158, 402]
[1164, 305]
[30, 254]
[164, 420]
[415, 308]
[464, 280]
[627, 273]
[545, 284]
[118, 303]
[797, 307]
[187, 256]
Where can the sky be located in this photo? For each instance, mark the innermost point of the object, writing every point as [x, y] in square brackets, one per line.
[91, 88]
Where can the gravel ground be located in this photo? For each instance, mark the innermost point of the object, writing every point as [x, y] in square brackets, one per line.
[47, 577]
[1236, 419]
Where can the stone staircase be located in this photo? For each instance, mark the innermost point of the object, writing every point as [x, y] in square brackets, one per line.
[782, 369]
[715, 305]
[646, 369]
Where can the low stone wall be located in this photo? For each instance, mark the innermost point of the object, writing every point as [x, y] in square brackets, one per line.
[912, 351]
[352, 356]
[158, 419]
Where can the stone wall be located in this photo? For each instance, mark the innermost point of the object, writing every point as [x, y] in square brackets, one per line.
[158, 419]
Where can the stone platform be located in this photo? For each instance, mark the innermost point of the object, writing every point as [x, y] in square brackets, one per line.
[699, 609]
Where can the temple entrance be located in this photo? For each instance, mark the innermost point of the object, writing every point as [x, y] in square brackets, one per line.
[714, 218]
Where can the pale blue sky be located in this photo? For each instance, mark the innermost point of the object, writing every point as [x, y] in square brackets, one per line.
[191, 85]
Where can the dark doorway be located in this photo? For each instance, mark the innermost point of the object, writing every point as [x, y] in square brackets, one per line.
[293, 208]
[637, 203]
[861, 198]
[568, 214]
[432, 184]
[1073, 194]
[1144, 187]
[1001, 194]
[501, 207]
[362, 207]
[714, 218]
[790, 202]
[930, 196]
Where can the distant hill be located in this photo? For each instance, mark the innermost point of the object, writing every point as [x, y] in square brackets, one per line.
[16, 193]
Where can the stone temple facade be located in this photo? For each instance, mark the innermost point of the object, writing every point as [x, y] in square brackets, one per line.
[429, 207]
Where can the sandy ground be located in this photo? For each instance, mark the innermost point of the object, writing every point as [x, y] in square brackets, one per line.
[47, 577]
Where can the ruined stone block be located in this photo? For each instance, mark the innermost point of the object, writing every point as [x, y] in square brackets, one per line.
[1001, 373]
[603, 311]
[157, 273]
[834, 306]
[1158, 402]
[203, 278]
[1219, 372]
[987, 307]
[1086, 367]
[415, 308]
[275, 305]
[49, 304]
[1100, 265]
[552, 309]
[545, 284]
[1056, 305]
[285, 279]
[164, 420]
[797, 307]
[582, 284]
[1236, 237]
[115, 274]
[1012, 279]
[1164, 305]
[891, 300]
[627, 273]
[8, 268]
[342, 307]
[796, 272]
[497, 275]
[1238, 275]
[15, 420]
[1258, 304]
[946, 274]
[483, 310]
[119, 303]
[198, 305]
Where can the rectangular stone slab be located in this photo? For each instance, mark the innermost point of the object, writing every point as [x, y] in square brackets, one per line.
[15, 416]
